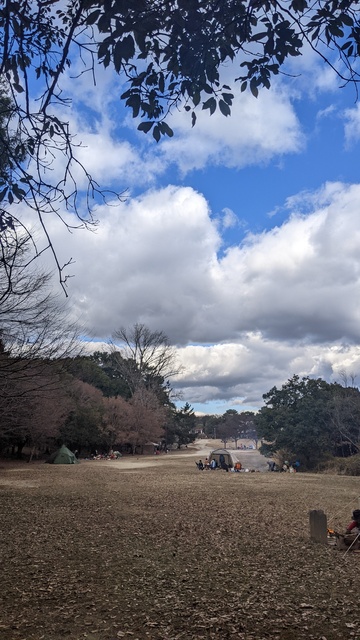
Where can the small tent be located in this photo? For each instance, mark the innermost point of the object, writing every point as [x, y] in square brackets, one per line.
[63, 456]
[229, 457]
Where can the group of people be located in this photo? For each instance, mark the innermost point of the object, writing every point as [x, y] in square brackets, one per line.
[222, 464]
[206, 464]
[286, 467]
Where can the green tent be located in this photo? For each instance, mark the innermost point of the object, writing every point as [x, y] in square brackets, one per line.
[63, 456]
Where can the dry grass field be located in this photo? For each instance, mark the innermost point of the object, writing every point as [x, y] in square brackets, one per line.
[101, 551]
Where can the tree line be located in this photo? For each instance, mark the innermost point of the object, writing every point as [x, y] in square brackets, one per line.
[310, 420]
[229, 427]
[51, 394]
[120, 398]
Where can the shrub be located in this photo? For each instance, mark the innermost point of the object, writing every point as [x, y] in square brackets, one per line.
[349, 466]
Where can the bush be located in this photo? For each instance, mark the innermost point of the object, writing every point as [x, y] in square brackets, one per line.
[344, 466]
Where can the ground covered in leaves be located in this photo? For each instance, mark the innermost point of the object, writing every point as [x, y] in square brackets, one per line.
[167, 552]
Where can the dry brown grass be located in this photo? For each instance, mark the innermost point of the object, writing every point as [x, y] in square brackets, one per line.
[167, 552]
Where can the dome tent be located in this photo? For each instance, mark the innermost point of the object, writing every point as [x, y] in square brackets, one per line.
[229, 457]
[63, 456]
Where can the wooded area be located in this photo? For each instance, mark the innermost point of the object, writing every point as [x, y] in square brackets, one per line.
[120, 398]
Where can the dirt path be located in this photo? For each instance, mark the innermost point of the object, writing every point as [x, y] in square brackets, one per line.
[250, 458]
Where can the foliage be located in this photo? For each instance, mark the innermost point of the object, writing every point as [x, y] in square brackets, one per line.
[170, 54]
[146, 419]
[81, 429]
[235, 426]
[229, 426]
[115, 421]
[208, 424]
[131, 396]
[345, 415]
[182, 427]
[100, 371]
[349, 466]
[311, 419]
[99, 400]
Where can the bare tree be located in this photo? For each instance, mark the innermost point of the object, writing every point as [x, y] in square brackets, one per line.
[345, 418]
[33, 404]
[147, 419]
[115, 421]
[36, 335]
[82, 428]
[46, 410]
[34, 323]
[144, 357]
[344, 377]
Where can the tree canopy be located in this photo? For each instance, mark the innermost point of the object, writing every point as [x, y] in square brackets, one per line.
[310, 419]
[182, 427]
[169, 54]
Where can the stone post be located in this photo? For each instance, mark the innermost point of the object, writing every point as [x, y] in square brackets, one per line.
[318, 526]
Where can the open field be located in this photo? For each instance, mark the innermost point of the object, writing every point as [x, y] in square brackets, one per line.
[103, 551]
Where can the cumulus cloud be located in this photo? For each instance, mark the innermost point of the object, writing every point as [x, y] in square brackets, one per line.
[352, 125]
[258, 130]
[301, 279]
[284, 301]
[113, 152]
[243, 316]
[237, 375]
[229, 219]
[150, 259]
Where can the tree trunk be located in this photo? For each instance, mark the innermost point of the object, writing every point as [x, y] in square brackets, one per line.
[20, 446]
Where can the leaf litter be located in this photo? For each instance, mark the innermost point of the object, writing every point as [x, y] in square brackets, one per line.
[171, 553]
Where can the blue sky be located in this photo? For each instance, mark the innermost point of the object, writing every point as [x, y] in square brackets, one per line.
[239, 238]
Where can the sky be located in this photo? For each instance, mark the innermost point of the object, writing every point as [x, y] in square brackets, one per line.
[238, 238]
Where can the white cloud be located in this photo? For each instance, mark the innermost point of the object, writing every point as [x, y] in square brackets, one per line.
[285, 301]
[149, 258]
[311, 75]
[352, 125]
[257, 130]
[229, 219]
[329, 111]
[238, 375]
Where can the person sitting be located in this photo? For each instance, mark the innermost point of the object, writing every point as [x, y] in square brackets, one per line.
[354, 526]
[352, 533]
[206, 464]
[213, 464]
[200, 465]
[237, 466]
